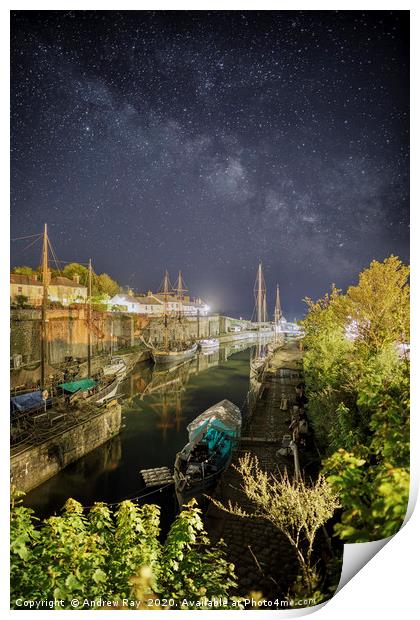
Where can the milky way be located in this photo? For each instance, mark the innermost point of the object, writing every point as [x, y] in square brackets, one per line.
[206, 141]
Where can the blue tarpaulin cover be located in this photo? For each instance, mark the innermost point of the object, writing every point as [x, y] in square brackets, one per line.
[26, 402]
[224, 418]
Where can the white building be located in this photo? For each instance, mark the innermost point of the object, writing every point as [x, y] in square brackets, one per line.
[125, 303]
[153, 304]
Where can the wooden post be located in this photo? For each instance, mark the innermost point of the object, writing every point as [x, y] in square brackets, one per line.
[259, 294]
[296, 459]
[44, 320]
[89, 310]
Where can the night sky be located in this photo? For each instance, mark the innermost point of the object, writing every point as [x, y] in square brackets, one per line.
[205, 141]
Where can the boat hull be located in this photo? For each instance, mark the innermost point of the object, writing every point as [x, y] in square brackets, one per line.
[186, 490]
[169, 358]
[106, 393]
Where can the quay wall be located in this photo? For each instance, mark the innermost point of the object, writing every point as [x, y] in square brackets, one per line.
[68, 331]
[35, 464]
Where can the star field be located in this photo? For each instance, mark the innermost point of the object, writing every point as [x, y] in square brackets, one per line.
[205, 141]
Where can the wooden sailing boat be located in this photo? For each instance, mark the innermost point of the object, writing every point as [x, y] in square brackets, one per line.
[112, 374]
[176, 350]
[91, 389]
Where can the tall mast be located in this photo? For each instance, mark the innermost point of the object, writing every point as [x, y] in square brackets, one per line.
[260, 292]
[166, 285]
[277, 309]
[264, 307]
[180, 286]
[180, 290]
[45, 279]
[89, 310]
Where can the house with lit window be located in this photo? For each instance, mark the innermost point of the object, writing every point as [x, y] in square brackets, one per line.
[183, 304]
[28, 289]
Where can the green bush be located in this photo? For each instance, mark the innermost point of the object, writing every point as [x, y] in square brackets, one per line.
[358, 391]
[116, 556]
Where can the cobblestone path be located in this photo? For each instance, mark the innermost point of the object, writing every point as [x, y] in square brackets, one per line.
[263, 557]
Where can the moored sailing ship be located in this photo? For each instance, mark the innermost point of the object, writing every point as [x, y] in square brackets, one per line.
[176, 350]
[258, 358]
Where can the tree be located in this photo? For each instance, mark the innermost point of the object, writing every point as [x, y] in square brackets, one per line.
[105, 285]
[295, 508]
[73, 269]
[24, 270]
[379, 304]
[358, 386]
[330, 372]
[115, 556]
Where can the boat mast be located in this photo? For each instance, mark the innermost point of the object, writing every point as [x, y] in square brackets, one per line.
[180, 287]
[44, 320]
[260, 293]
[180, 290]
[277, 309]
[89, 311]
[165, 309]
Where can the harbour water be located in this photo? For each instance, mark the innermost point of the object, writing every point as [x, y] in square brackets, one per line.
[157, 407]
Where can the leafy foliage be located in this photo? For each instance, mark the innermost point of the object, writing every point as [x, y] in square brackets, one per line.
[358, 391]
[24, 270]
[102, 284]
[115, 556]
[21, 300]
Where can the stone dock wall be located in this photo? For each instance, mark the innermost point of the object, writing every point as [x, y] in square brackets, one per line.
[67, 336]
[263, 557]
[33, 464]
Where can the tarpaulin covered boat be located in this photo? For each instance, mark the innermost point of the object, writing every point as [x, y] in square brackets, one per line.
[90, 390]
[212, 437]
[29, 402]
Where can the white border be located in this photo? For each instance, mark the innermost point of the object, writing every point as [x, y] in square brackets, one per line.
[387, 585]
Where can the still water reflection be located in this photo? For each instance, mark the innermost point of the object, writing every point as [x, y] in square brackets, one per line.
[157, 406]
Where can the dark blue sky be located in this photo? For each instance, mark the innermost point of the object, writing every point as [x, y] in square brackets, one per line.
[205, 141]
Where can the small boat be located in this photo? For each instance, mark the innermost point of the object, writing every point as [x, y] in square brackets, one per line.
[208, 343]
[212, 436]
[117, 366]
[173, 356]
[30, 402]
[91, 390]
